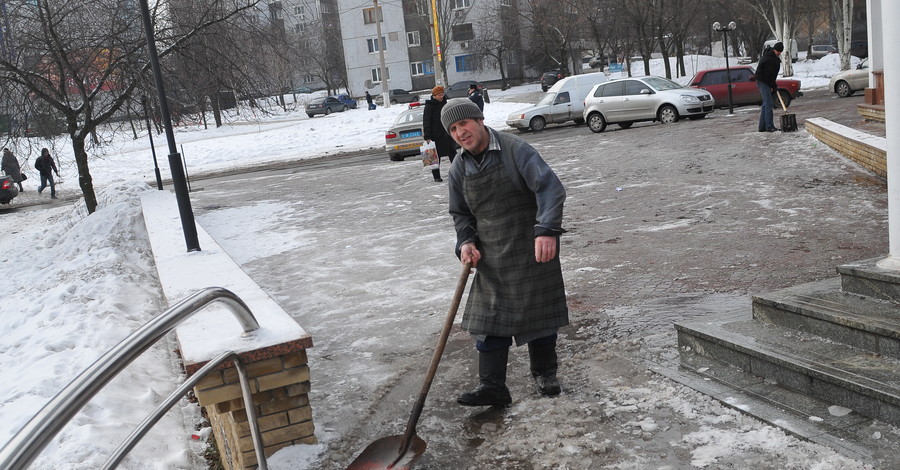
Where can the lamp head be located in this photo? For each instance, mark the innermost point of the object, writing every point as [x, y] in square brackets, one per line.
[717, 26]
[732, 26]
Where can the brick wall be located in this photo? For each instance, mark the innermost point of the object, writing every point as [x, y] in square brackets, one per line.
[866, 150]
[280, 388]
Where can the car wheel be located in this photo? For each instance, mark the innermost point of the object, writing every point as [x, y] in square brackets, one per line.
[537, 123]
[310, 115]
[625, 124]
[842, 89]
[345, 108]
[327, 111]
[786, 97]
[393, 101]
[667, 114]
[396, 158]
[596, 122]
[695, 117]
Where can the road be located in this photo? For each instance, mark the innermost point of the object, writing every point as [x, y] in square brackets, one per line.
[665, 222]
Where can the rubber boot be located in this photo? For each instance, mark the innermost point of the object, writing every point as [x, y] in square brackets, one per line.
[491, 390]
[542, 354]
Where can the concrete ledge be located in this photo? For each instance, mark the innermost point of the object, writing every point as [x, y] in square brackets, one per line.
[867, 150]
[871, 112]
[274, 355]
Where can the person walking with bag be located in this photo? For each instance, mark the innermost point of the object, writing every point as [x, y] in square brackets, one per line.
[433, 130]
[10, 167]
[766, 82]
[46, 166]
[507, 207]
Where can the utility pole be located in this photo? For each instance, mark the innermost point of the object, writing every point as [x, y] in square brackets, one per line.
[436, 46]
[381, 44]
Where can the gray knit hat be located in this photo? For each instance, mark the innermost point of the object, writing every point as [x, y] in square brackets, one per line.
[458, 109]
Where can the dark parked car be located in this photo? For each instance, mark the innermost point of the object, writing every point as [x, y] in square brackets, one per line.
[549, 78]
[348, 100]
[398, 95]
[8, 189]
[325, 106]
[461, 90]
[743, 86]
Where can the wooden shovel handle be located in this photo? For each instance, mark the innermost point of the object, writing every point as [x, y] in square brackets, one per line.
[781, 100]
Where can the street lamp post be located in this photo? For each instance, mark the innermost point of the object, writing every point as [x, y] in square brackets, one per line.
[725, 29]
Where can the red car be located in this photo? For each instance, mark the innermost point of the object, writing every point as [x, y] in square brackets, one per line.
[743, 86]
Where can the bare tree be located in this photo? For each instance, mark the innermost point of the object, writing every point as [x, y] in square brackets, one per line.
[781, 16]
[498, 35]
[85, 58]
[843, 27]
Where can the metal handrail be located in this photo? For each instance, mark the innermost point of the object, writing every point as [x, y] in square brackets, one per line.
[25, 446]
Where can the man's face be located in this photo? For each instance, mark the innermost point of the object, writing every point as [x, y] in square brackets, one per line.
[470, 134]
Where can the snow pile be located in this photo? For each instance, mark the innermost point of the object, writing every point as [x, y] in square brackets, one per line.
[76, 287]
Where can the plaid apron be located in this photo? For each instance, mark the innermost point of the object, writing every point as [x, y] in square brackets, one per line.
[511, 292]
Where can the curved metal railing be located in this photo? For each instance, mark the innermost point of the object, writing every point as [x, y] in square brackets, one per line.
[25, 446]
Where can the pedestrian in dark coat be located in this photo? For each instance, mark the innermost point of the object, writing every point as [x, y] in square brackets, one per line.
[766, 82]
[10, 167]
[369, 101]
[46, 166]
[433, 130]
[507, 207]
[476, 97]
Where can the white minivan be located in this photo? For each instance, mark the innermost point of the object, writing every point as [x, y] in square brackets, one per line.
[563, 102]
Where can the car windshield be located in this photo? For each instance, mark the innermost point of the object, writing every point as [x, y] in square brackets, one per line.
[547, 99]
[317, 101]
[409, 116]
[662, 84]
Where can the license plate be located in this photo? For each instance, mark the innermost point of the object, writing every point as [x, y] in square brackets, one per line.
[406, 135]
[406, 146]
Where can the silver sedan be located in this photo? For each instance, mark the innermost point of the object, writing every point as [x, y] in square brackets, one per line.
[630, 100]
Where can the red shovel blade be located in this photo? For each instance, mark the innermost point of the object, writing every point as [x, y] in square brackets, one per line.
[387, 453]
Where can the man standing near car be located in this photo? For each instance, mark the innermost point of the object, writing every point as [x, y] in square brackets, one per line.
[507, 207]
[766, 82]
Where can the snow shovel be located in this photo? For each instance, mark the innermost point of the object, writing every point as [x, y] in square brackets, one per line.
[788, 120]
[401, 452]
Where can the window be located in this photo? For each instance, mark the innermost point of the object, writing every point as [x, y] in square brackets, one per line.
[369, 15]
[460, 4]
[512, 57]
[505, 3]
[300, 12]
[376, 74]
[417, 7]
[634, 87]
[308, 78]
[413, 38]
[463, 32]
[562, 98]
[275, 11]
[373, 45]
[611, 89]
[465, 63]
[299, 28]
[421, 68]
[326, 8]
[713, 78]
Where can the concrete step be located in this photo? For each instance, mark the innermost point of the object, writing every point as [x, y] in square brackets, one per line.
[819, 421]
[821, 308]
[817, 367]
[867, 279]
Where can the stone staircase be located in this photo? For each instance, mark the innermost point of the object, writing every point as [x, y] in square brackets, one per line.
[820, 360]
